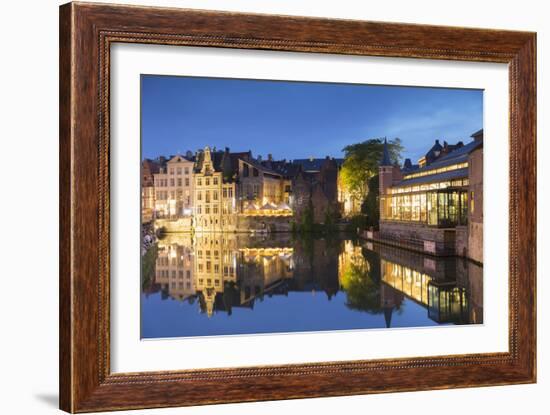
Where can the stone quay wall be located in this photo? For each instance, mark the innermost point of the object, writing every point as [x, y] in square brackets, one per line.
[249, 224]
[419, 237]
[244, 224]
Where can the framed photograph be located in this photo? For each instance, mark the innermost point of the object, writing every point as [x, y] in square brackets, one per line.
[258, 207]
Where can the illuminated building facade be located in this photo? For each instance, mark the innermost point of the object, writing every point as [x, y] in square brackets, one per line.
[215, 192]
[174, 188]
[148, 169]
[429, 206]
[261, 189]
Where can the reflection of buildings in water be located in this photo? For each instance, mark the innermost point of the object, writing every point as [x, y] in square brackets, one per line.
[263, 268]
[174, 267]
[217, 272]
[215, 266]
[223, 271]
[450, 288]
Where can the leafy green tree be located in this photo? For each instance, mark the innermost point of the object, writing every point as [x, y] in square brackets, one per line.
[361, 163]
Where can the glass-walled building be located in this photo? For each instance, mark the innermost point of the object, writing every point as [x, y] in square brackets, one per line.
[438, 198]
[435, 194]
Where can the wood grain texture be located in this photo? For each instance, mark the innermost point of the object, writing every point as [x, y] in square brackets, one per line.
[86, 33]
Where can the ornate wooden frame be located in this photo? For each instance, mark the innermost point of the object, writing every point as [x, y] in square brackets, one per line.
[86, 33]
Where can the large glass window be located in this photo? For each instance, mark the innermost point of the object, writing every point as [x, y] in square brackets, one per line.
[432, 208]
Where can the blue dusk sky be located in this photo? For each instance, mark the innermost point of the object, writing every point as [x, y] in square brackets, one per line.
[299, 119]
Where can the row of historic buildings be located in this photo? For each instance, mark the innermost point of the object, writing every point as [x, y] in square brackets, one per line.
[219, 190]
[435, 206]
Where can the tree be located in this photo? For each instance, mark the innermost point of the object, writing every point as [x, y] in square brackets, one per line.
[307, 218]
[370, 206]
[361, 163]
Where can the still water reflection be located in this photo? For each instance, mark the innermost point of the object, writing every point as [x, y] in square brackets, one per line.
[240, 284]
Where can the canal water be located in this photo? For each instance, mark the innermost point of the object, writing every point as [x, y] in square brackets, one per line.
[224, 284]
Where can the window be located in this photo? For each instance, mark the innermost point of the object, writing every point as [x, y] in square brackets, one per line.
[178, 170]
[215, 195]
[187, 181]
[215, 180]
[187, 170]
[207, 196]
[255, 172]
[224, 193]
[171, 171]
[230, 192]
[246, 173]
[472, 205]
[207, 209]
[215, 209]
[199, 195]
[207, 182]
[179, 181]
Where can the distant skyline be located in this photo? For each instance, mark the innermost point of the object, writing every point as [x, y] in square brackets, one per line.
[292, 120]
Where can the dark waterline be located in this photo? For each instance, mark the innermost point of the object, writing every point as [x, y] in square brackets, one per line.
[239, 284]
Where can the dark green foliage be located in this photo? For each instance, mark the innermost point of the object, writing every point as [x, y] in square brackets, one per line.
[148, 266]
[362, 161]
[371, 206]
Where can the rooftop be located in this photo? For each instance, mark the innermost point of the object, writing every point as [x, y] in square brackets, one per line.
[432, 178]
[314, 164]
[460, 155]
